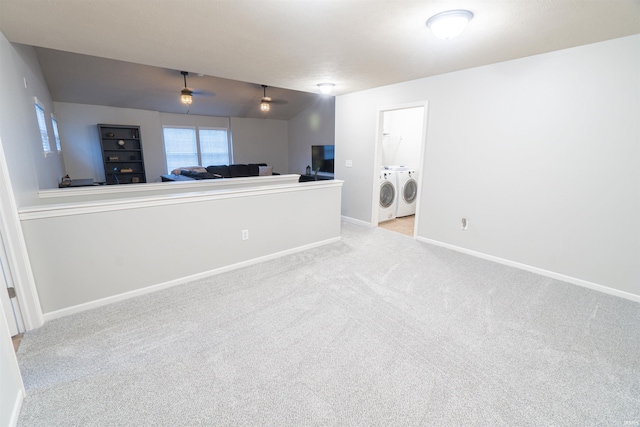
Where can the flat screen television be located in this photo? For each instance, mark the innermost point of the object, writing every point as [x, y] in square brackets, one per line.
[322, 158]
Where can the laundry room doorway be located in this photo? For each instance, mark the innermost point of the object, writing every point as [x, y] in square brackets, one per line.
[398, 169]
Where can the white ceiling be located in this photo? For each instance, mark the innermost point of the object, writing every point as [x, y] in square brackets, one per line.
[296, 44]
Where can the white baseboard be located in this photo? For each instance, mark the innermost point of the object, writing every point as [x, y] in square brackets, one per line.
[356, 221]
[540, 271]
[153, 288]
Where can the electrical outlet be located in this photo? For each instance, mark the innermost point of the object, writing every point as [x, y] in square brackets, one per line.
[245, 234]
[348, 163]
[464, 224]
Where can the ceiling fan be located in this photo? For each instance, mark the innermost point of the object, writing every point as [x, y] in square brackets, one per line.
[266, 101]
[186, 95]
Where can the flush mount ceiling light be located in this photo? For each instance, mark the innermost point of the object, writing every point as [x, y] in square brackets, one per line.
[447, 25]
[326, 88]
[186, 97]
[265, 102]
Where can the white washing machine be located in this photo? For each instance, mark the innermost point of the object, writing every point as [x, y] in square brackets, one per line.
[407, 192]
[388, 195]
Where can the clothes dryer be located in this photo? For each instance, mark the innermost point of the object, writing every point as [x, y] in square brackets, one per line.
[388, 195]
[407, 192]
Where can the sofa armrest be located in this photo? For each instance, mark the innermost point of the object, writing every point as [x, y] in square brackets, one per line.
[254, 168]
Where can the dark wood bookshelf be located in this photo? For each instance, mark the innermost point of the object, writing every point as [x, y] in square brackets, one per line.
[122, 154]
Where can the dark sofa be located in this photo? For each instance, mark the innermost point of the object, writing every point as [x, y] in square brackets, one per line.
[219, 171]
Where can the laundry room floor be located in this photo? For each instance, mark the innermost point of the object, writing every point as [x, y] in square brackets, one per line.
[402, 225]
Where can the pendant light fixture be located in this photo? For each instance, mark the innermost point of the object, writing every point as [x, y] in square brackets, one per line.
[265, 102]
[449, 24]
[186, 98]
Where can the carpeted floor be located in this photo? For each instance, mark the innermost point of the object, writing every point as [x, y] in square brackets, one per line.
[375, 330]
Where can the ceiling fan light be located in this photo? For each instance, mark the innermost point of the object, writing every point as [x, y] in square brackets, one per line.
[264, 103]
[449, 24]
[186, 97]
[326, 88]
[186, 93]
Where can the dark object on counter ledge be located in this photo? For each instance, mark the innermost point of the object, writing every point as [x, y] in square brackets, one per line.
[219, 171]
[68, 182]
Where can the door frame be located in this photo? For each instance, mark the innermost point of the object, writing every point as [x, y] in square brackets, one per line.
[11, 306]
[375, 211]
[16, 252]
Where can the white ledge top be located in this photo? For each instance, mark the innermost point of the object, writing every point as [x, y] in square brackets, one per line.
[172, 186]
[176, 197]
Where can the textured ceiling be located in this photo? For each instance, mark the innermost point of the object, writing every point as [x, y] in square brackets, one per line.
[296, 44]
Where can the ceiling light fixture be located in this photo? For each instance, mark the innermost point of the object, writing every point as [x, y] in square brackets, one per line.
[326, 88]
[447, 25]
[265, 102]
[186, 98]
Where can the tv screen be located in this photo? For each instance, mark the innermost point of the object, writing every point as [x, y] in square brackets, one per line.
[322, 158]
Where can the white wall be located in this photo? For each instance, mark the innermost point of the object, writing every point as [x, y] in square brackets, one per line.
[19, 137]
[85, 253]
[260, 141]
[313, 126]
[81, 142]
[170, 119]
[541, 154]
[23, 167]
[17, 115]
[403, 137]
[28, 168]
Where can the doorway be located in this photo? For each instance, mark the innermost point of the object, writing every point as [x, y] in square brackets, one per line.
[8, 298]
[399, 167]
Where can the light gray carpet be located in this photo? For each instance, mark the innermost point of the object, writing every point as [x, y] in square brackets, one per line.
[375, 330]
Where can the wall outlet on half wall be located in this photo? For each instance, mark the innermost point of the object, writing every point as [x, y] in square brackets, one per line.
[245, 234]
[464, 224]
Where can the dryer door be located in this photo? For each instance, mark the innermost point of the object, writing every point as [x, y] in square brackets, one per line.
[410, 191]
[387, 194]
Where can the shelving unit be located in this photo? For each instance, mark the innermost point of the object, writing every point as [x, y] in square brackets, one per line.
[122, 154]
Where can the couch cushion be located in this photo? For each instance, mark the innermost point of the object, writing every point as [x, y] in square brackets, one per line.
[222, 170]
[254, 168]
[265, 170]
[198, 175]
[238, 170]
[188, 168]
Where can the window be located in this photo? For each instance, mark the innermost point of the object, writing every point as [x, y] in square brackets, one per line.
[214, 146]
[180, 146]
[191, 146]
[54, 122]
[42, 124]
